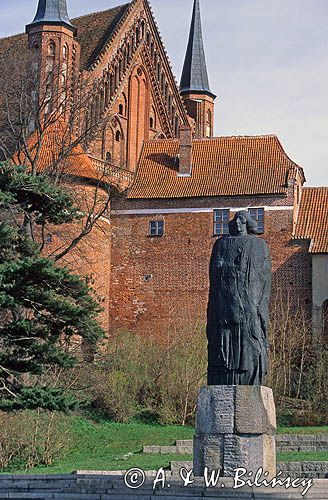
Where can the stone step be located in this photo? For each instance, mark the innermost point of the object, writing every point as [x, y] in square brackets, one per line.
[284, 443]
[169, 450]
[173, 495]
[109, 486]
[308, 470]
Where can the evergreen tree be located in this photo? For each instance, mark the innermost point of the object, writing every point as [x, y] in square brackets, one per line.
[43, 306]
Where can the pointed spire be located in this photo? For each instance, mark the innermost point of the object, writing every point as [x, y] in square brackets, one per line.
[53, 12]
[194, 75]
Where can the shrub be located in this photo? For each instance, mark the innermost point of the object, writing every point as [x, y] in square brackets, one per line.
[298, 371]
[31, 438]
[144, 378]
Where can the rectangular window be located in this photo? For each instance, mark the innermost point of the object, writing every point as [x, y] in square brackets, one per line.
[221, 221]
[258, 215]
[156, 228]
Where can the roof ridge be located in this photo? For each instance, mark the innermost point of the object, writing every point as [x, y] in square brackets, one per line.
[258, 136]
[213, 139]
[12, 36]
[101, 11]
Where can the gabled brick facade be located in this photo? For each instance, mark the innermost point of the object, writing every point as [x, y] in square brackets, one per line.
[159, 281]
[149, 258]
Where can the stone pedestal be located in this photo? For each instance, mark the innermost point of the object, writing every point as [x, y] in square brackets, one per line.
[235, 427]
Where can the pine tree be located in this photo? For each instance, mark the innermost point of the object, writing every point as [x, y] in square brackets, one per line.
[43, 306]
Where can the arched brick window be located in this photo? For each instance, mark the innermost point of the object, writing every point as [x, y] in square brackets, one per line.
[208, 123]
[65, 52]
[116, 77]
[102, 101]
[106, 94]
[50, 64]
[120, 69]
[51, 49]
[172, 114]
[176, 126]
[51, 54]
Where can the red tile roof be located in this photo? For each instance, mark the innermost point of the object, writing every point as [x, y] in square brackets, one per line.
[94, 31]
[222, 166]
[312, 220]
[55, 141]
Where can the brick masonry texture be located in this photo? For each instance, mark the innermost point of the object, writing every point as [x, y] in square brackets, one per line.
[157, 282]
[91, 257]
[155, 285]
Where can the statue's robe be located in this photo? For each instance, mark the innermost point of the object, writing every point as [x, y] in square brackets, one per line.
[238, 311]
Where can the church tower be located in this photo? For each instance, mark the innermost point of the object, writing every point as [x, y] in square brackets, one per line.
[51, 37]
[194, 85]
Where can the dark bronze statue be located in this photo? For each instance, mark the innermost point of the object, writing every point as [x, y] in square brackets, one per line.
[238, 306]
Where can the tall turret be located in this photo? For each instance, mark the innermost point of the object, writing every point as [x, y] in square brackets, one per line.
[194, 85]
[53, 13]
[51, 37]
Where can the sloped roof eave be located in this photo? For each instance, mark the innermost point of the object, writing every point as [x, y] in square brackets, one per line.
[312, 220]
[259, 164]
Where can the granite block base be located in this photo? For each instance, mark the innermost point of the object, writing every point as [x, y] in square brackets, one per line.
[235, 428]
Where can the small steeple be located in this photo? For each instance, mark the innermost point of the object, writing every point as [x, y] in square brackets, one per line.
[194, 77]
[194, 86]
[51, 12]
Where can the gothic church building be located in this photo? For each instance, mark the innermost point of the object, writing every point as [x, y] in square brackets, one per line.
[177, 186]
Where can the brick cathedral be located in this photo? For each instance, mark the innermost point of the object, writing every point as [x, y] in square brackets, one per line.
[176, 185]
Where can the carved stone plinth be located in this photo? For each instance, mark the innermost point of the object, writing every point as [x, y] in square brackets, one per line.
[235, 427]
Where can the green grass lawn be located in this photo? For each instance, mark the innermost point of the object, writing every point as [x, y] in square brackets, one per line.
[296, 456]
[105, 445]
[109, 446]
[323, 429]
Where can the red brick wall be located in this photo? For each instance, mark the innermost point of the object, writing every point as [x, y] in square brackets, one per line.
[157, 281]
[198, 106]
[91, 257]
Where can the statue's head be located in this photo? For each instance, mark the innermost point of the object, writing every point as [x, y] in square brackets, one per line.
[242, 224]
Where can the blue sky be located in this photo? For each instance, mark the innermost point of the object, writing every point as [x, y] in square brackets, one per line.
[267, 63]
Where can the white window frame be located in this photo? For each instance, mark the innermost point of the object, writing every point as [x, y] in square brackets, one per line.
[222, 223]
[156, 228]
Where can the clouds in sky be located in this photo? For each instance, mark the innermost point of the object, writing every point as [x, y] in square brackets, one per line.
[267, 62]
